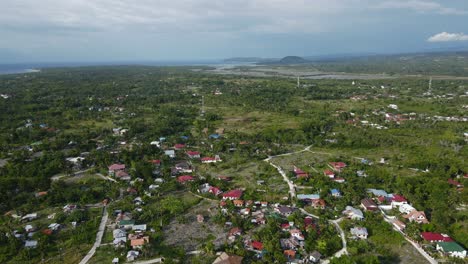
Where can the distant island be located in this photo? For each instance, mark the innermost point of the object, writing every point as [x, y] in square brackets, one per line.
[293, 60]
[285, 60]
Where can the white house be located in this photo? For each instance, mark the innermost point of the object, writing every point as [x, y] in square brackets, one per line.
[359, 232]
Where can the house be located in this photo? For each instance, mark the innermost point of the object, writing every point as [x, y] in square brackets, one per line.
[257, 245]
[406, 209]
[315, 256]
[215, 191]
[318, 204]
[285, 226]
[451, 249]
[114, 168]
[361, 173]
[339, 180]
[378, 193]
[435, 237]
[156, 162]
[140, 228]
[337, 166]
[29, 217]
[455, 183]
[185, 178]
[290, 254]
[47, 232]
[335, 193]
[397, 200]
[179, 146]
[54, 226]
[40, 194]
[214, 136]
[353, 213]
[126, 224]
[417, 216]
[300, 173]
[170, 153]
[234, 232]
[30, 244]
[204, 188]
[238, 203]
[399, 225]
[309, 223]
[296, 233]
[193, 154]
[359, 232]
[119, 233]
[308, 197]
[120, 241]
[122, 175]
[369, 205]
[284, 210]
[329, 174]
[232, 195]
[139, 242]
[182, 167]
[132, 255]
[29, 228]
[289, 243]
[69, 208]
[211, 159]
[226, 258]
[224, 178]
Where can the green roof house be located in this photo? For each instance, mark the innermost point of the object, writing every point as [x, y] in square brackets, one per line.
[451, 249]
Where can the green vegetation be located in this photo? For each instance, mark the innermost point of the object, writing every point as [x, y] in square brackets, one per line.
[107, 115]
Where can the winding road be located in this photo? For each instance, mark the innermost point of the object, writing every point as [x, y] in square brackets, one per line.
[100, 233]
[292, 193]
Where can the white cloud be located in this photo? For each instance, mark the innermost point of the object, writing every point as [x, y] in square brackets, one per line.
[162, 16]
[421, 6]
[448, 37]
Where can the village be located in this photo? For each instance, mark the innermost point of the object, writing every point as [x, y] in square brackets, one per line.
[220, 174]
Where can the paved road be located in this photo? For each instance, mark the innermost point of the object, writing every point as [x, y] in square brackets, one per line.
[99, 235]
[415, 245]
[150, 261]
[78, 173]
[292, 192]
[344, 250]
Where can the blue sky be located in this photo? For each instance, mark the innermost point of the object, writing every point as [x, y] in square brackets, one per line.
[130, 30]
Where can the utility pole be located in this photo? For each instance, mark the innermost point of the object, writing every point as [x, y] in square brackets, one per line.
[298, 82]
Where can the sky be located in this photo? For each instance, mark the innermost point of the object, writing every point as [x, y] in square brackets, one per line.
[165, 30]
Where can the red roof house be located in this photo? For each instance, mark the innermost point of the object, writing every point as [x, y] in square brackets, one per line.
[184, 178]
[193, 154]
[214, 190]
[455, 183]
[337, 166]
[232, 195]
[155, 162]
[257, 245]
[329, 173]
[115, 168]
[211, 159]
[179, 146]
[436, 237]
[398, 198]
[300, 173]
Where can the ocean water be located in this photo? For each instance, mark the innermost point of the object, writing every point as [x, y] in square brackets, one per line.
[35, 67]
